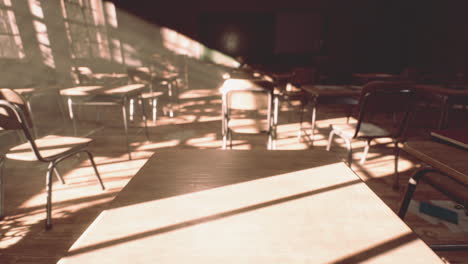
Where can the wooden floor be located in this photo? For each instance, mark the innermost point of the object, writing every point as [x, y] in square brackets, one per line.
[196, 125]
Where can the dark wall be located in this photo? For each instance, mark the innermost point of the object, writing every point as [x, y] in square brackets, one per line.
[249, 35]
[359, 35]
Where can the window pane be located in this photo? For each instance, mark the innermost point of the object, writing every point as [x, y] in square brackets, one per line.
[74, 12]
[13, 26]
[80, 50]
[88, 16]
[36, 8]
[8, 48]
[6, 2]
[111, 14]
[78, 32]
[4, 28]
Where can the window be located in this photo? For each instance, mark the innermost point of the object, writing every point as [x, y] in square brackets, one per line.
[115, 43]
[35, 6]
[11, 45]
[86, 28]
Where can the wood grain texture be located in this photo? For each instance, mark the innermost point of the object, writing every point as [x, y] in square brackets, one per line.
[448, 159]
[300, 207]
[442, 90]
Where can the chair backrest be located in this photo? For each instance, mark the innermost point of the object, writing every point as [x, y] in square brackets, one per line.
[14, 115]
[242, 94]
[82, 75]
[303, 76]
[394, 99]
[139, 74]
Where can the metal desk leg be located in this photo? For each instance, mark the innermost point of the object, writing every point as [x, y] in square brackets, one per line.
[171, 104]
[124, 115]
[396, 175]
[443, 113]
[154, 109]
[2, 188]
[145, 118]
[366, 151]
[70, 112]
[301, 117]
[132, 108]
[314, 117]
[413, 181]
[275, 119]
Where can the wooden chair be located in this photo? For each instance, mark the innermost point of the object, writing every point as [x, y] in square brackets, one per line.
[52, 149]
[443, 167]
[388, 98]
[450, 186]
[246, 97]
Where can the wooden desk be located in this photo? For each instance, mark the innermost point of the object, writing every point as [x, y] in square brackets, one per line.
[330, 94]
[363, 78]
[105, 96]
[445, 158]
[97, 90]
[259, 206]
[449, 95]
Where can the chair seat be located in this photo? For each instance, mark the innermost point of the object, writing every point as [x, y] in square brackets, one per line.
[367, 130]
[451, 187]
[49, 146]
[148, 95]
[248, 126]
[97, 100]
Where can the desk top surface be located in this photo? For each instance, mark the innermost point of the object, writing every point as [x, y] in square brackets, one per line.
[102, 90]
[332, 90]
[446, 158]
[374, 75]
[212, 206]
[443, 89]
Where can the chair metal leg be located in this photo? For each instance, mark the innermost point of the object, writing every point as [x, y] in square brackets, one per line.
[301, 117]
[177, 96]
[350, 112]
[31, 113]
[230, 138]
[275, 120]
[2, 188]
[224, 122]
[330, 138]
[72, 116]
[443, 113]
[413, 181]
[59, 177]
[224, 141]
[276, 111]
[131, 109]
[154, 109]
[396, 176]
[171, 104]
[91, 158]
[145, 118]
[124, 115]
[48, 223]
[314, 116]
[366, 151]
[270, 141]
[350, 151]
